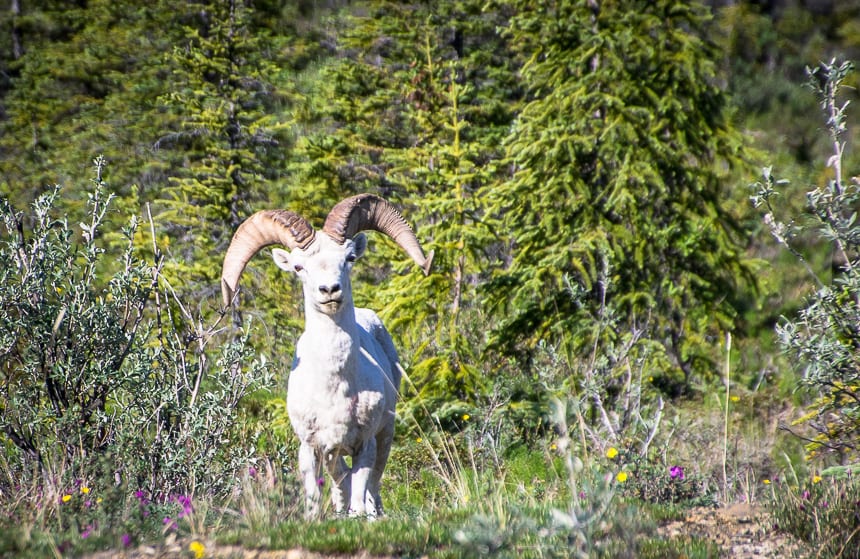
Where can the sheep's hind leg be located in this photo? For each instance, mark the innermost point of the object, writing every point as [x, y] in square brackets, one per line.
[373, 502]
[311, 469]
[340, 491]
[362, 466]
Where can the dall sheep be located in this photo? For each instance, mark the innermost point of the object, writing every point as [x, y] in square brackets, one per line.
[345, 376]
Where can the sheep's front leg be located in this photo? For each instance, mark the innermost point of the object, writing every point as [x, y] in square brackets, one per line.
[362, 466]
[310, 468]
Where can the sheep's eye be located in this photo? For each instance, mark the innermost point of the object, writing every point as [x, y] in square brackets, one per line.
[350, 258]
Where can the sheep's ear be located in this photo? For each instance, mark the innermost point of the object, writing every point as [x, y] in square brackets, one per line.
[282, 259]
[359, 244]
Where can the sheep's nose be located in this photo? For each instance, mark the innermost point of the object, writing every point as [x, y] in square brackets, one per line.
[330, 289]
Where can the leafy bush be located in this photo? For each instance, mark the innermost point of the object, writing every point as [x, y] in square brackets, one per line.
[825, 337]
[64, 333]
[823, 512]
[657, 483]
[109, 382]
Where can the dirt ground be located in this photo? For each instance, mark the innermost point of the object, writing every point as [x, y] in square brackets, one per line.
[742, 531]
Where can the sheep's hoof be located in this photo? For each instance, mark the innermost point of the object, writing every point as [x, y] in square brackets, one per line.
[369, 516]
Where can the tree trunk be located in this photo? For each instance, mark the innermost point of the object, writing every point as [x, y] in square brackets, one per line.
[17, 51]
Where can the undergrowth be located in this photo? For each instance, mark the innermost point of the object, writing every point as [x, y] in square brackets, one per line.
[123, 425]
[823, 511]
[170, 457]
[823, 339]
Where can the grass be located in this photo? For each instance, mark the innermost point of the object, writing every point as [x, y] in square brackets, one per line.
[823, 510]
[454, 495]
[391, 536]
[447, 495]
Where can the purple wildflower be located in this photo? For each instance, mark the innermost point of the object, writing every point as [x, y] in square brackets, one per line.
[676, 472]
[252, 471]
[126, 540]
[141, 497]
[805, 495]
[185, 502]
[321, 482]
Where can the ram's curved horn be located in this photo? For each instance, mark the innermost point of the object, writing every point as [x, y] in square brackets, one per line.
[365, 212]
[264, 228]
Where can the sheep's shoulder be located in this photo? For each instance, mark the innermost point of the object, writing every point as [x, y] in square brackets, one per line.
[377, 341]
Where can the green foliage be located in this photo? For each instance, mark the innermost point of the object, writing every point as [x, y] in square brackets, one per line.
[86, 82]
[414, 108]
[103, 380]
[607, 393]
[823, 513]
[619, 157]
[824, 338]
[222, 96]
[652, 482]
[447, 172]
[66, 334]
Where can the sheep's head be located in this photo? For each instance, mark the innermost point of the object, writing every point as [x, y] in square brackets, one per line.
[322, 262]
[324, 270]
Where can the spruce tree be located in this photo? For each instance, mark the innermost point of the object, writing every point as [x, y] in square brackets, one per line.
[84, 85]
[619, 165]
[222, 97]
[414, 106]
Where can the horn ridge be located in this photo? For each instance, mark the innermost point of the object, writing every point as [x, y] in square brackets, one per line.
[370, 212]
[264, 228]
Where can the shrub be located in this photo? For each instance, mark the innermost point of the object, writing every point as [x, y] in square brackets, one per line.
[823, 512]
[825, 336]
[64, 333]
[108, 380]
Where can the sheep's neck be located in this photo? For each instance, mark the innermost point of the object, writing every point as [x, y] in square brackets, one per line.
[336, 343]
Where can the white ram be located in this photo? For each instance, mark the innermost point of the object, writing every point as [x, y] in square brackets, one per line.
[345, 377]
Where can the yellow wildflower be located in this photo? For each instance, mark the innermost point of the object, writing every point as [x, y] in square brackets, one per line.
[612, 452]
[766, 481]
[621, 477]
[418, 440]
[67, 498]
[85, 490]
[735, 398]
[816, 479]
[466, 417]
[553, 446]
[197, 548]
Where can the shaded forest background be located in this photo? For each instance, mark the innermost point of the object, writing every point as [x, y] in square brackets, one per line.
[208, 112]
[581, 170]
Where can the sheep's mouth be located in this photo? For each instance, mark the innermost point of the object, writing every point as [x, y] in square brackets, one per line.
[331, 304]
